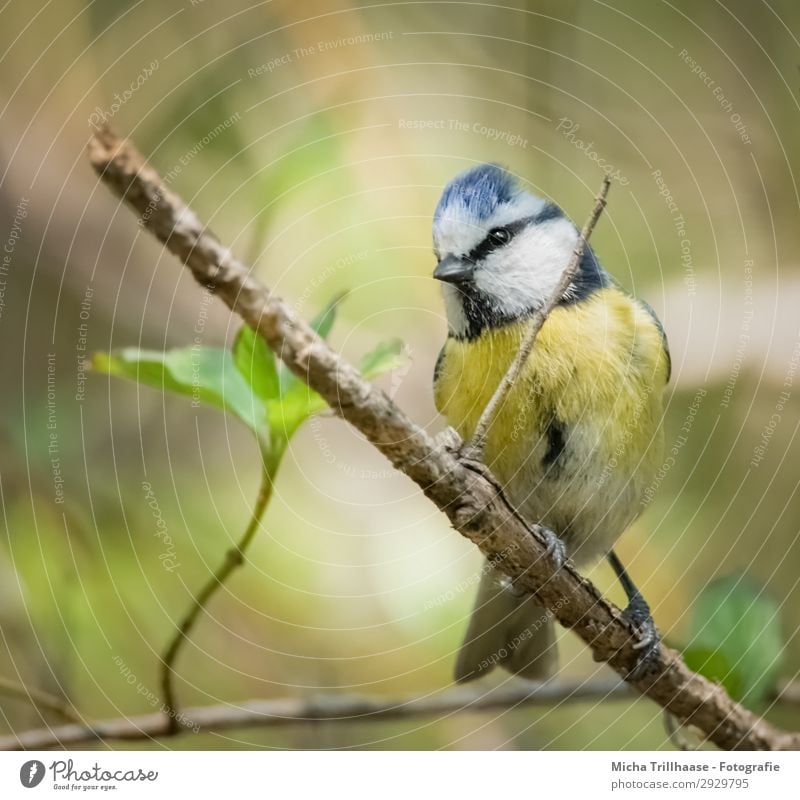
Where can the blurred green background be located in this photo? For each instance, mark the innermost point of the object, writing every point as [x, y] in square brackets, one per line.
[315, 138]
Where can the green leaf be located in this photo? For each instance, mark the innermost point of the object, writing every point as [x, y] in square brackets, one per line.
[256, 363]
[207, 375]
[322, 323]
[384, 358]
[293, 409]
[736, 639]
[299, 402]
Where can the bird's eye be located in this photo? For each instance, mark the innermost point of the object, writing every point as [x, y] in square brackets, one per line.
[499, 236]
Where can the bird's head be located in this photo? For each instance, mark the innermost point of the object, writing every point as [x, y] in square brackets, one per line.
[501, 251]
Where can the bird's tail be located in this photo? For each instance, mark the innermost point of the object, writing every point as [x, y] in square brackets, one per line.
[506, 629]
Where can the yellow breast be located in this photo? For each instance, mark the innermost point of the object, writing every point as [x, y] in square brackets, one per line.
[597, 372]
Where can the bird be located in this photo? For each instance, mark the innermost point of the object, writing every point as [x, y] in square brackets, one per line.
[579, 437]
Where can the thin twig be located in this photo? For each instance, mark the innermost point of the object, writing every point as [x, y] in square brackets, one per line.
[334, 708]
[323, 708]
[474, 449]
[233, 558]
[39, 699]
[473, 502]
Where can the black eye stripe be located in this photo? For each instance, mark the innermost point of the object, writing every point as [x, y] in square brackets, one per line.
[493, 242]
[490, 243]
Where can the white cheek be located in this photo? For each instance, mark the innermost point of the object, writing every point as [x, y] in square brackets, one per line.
[525, 274]
[454, 308]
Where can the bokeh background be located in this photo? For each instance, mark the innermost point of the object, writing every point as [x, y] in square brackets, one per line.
[315, 138]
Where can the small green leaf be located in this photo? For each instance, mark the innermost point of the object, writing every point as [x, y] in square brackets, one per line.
[736, 639]
[256, 363]
[384, 358]
[207, 375]
[293, 409]
[322, 324]
[299, 402]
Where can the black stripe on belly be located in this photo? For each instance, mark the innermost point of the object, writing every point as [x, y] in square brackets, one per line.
[556, 442]
[438, 366]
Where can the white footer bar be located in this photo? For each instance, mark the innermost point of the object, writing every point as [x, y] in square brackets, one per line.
[353, 775]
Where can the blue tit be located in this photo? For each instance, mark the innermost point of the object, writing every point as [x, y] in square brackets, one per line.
[579, 437]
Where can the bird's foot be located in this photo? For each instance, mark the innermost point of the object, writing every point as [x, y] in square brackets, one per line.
[448, 439]
[477, 466]
[638, 614]
[555, 547]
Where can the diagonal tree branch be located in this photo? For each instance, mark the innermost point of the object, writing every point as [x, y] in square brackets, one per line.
[471, 499]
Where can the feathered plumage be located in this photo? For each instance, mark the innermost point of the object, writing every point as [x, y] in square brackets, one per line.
[579, 436]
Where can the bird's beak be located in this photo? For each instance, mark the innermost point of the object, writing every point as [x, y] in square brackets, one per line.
[452, 269]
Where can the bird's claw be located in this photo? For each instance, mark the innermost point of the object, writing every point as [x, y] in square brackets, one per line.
[639, 616]
[555, 548]
[448, 439]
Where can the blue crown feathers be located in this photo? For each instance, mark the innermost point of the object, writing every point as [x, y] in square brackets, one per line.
[478, 192]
